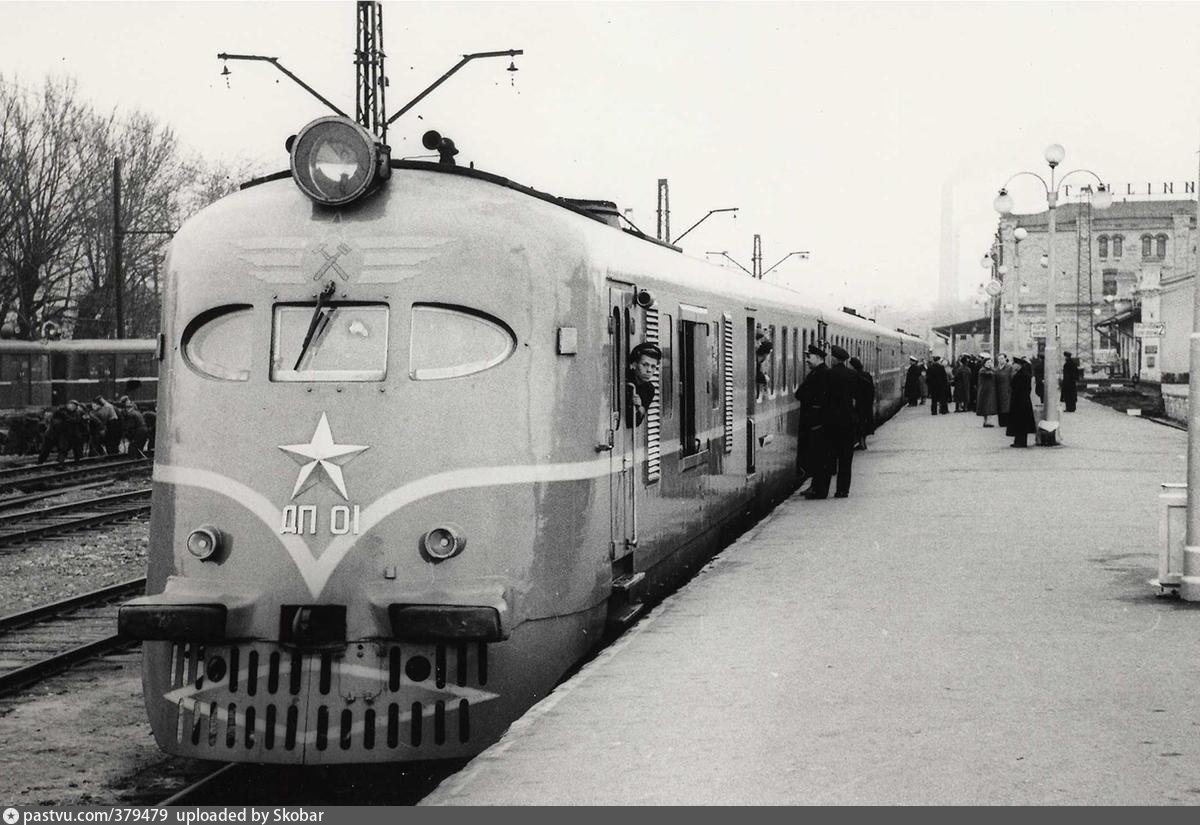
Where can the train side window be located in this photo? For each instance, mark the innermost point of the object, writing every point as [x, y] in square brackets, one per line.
[451, 341]
[714, 366]
[783, 362]
[216, 342]
[774, 356]
[693, 350]
[666, 370]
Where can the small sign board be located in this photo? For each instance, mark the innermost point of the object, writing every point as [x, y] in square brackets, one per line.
[994, 288]
[1037, 329]
[1104, 357]
[1150, 329]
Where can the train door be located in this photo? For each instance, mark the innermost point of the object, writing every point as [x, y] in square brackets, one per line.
[622, 432]
[752, 390]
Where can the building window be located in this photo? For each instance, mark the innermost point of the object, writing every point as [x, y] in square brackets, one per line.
[1160, 246]
[1146, 246]
[1103, 246]
[1110, 283]
[1118, 242]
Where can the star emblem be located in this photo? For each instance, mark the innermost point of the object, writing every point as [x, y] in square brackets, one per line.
[320, 452]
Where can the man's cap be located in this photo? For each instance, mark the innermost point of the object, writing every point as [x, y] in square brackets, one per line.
[854, 362]
[1020, 359]
[838, 353]
[813, 349]
[912, 358]
[646, 348]
[985, 355]
[1066, 355]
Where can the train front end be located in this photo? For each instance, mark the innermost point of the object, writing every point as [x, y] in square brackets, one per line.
[357, 552]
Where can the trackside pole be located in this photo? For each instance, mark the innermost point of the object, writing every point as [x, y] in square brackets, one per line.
[1189, 585]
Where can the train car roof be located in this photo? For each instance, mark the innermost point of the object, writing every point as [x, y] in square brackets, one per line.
[667, 261]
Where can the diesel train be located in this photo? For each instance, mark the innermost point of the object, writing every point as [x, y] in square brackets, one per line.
[396, 495]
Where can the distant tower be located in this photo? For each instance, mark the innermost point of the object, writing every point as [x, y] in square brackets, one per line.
[948, 271]
[664, 211]
[368, 59]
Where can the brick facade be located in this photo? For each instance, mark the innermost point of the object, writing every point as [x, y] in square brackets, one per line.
[1118, 281]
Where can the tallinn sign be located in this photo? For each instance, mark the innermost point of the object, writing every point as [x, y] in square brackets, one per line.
[1140, 190]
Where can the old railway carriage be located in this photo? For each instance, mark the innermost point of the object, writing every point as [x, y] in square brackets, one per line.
[394, 494]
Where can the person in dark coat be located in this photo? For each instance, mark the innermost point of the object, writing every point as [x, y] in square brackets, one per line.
[973, 365]
[864, 403]
[1020, 412]
[814, 449]
[986, 403]
[65, 432]
[1004, 374]
[912, 382]
[1070, 381]
[1038, 365]
[841, 418]
[939, 387]
[133, 428]
[962, 385]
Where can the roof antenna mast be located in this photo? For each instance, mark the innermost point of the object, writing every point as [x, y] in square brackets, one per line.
[368, 60]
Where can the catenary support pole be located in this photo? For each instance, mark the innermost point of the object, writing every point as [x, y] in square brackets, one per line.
[1189, 585]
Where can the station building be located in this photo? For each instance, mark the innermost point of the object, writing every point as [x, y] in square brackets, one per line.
[1121, 272]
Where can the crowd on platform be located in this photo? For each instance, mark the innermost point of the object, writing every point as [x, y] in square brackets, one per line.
[1002, 389]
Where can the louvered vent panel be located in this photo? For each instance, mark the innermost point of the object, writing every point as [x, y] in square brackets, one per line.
[654, 414]
[727, 343]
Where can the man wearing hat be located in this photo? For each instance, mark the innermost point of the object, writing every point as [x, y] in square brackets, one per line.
[841, 419]
[912, 382]
[814, 450]
[939, 387]
[643, 364]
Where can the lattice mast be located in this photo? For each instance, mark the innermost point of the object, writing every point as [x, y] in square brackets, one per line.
[368, 60]
[664, 211]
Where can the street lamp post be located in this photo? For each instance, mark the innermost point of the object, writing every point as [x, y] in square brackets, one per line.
[1048, 428]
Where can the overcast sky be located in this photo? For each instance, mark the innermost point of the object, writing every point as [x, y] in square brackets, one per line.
[832, 126]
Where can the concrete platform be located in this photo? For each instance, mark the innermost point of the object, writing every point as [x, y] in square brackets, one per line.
[972, 626]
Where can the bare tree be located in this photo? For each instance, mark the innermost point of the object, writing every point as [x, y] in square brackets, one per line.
[40, 182]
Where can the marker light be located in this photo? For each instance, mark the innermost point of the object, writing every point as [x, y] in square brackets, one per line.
[204, 542]
[334, 160]
[443, 541]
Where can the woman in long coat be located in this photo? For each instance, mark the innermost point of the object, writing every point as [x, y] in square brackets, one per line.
[1004, 373]
[1020, 411]
[962, 385]
[985, 403]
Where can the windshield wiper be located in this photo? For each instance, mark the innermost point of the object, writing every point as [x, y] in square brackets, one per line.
[317, 317]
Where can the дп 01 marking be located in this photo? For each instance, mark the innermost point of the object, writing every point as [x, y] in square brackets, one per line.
[398, 494]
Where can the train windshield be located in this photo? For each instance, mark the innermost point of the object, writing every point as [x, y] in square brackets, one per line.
[348, 342]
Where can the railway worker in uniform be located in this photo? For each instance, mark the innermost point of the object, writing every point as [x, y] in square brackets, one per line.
[1020, 411]
[134, 428]
[864, 403]
[1004, 374]
[1038, 365]
[841, 418]
[95, 429]
[939, 387]
[1070, 379]
[107, 414]
[643, 364]
[814, 451]
[912, 382]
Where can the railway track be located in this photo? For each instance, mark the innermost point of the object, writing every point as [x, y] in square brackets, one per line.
[22, 525]
[46, 476]
[43, 641]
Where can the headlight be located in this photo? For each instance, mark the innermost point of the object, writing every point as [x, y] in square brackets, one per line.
[443, 541]
[204, 542]
[334, 160]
